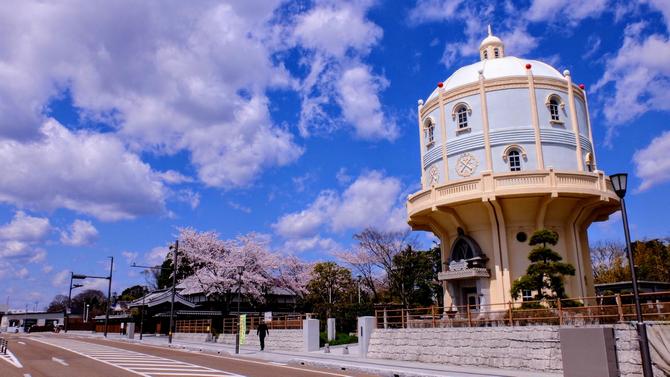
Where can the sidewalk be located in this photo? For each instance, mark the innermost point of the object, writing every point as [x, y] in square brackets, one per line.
[334, 360]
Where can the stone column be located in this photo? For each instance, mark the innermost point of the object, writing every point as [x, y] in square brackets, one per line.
[310, 334]
[366, 325]
[331, 328]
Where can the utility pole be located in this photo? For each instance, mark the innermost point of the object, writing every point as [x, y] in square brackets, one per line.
[109, 294]
[67, 307]
[175, 249]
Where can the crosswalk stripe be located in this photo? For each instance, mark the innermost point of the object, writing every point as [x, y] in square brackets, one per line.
[135, 362]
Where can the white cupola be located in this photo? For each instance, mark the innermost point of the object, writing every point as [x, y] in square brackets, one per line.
[491, 47]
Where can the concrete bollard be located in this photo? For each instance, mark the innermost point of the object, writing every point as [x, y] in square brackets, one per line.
[326, 348]
[366, 325]
[331, 328]
[345, 350]
[310, 334]
[130, 330]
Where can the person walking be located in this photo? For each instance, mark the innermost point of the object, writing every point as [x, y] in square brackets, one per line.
[262, 332]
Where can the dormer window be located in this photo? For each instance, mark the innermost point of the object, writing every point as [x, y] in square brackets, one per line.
[429, 132]
[514, 160]
[496, 52]
[486, 55]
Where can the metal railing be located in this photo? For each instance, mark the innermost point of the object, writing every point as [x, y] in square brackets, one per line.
[3, 346]
[287, 322]
[576, 311]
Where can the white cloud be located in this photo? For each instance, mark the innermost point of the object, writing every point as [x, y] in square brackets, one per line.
[434, 11]
[299, 245]
[129, 256]
[19, 240]
[60, 278]
[337, 36]
[174, 177]
[337, 28]
[639, 74]
[22, 273]
[239, 207]
[47, 269]
[662, 6]
[358, 97]
[177, 77]
[371, 200]
[85, 172]
[565, 10]
[156, 256]
[652, 164]
[79, 233]
[25, 228]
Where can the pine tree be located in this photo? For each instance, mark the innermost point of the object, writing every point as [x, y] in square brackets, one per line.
[545, 274]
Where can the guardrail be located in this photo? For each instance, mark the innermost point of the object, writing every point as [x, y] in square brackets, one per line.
[576, 311]
[3, 346]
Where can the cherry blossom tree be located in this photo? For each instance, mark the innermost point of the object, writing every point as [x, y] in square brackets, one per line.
[215, 264]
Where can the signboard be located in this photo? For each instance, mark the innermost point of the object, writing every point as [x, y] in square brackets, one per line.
[268, 317]
[243, 328]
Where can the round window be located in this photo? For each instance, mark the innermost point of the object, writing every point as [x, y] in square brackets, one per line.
[521, 237]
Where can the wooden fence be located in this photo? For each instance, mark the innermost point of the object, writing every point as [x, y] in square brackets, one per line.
[576, 311]
[287, 322]
[197, 326]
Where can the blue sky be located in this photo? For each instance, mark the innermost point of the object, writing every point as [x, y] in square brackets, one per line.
[122, 121]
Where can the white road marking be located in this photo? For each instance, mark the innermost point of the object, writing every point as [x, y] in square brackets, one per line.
[27, 375]
[22, 343]
[60, 361]
[10, 358]
[277, 363]
[135, 362]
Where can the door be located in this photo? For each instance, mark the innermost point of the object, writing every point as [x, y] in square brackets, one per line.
[471, 298]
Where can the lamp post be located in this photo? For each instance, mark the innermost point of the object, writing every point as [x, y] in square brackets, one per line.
[175, 249]
[619, 183]
[88, 310]
[109, 293]
[69, 297]
[142, 315]
[240, 271]
[358, 280]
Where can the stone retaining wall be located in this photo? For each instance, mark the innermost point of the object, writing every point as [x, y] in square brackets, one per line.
[191, 337]
[278, 340]
[532, 348]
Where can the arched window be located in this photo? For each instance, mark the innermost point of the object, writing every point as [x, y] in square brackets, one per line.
[429, 132]
[462, 114]
[486, 55]
[496, 52]
[553, 109]
[514, 160]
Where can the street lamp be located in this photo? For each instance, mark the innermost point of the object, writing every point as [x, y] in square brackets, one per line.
[175, 249]
[358, 280]
[69, 296]
[240, 271]
[619, 183]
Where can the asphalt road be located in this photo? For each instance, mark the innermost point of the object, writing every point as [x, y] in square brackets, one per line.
[46, 355]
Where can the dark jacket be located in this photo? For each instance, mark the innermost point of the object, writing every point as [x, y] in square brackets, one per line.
[262, 330]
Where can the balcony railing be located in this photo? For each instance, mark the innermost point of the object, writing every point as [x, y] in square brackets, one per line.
[489, 185]
[567, 312]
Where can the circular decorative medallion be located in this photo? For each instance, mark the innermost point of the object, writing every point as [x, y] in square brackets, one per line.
[433, 175]
[466, 165]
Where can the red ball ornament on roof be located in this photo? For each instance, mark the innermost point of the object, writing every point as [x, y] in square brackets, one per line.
[582, 86]
[440, 84]
[528, 66]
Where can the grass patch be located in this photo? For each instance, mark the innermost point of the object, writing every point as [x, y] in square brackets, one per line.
[340, 338]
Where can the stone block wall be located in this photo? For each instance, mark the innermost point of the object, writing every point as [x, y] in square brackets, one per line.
[531, 348]
[278, 340]
[534, 348]
[191, 337]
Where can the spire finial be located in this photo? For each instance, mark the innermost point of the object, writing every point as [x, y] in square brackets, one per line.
[490, 33]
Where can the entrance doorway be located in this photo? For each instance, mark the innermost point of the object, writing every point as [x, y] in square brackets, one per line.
[471, 298]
